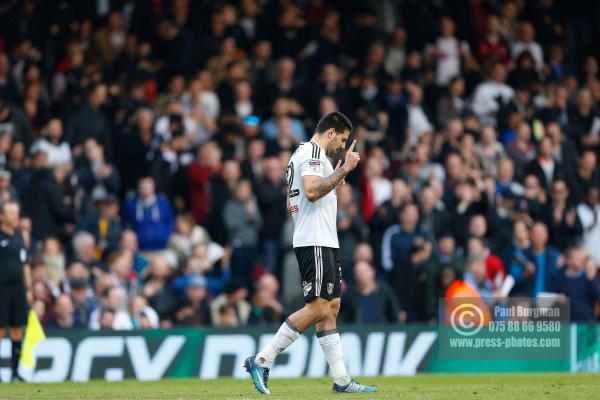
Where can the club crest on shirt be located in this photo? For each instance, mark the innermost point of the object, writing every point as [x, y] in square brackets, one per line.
[306, 287]
[329, 288]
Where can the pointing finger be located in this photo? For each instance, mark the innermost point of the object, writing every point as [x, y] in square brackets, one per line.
[352, 146]
[338, 164]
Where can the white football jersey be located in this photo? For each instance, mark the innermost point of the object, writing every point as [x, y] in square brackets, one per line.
[314, 223]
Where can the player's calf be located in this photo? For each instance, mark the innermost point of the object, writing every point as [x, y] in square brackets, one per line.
[258, 366]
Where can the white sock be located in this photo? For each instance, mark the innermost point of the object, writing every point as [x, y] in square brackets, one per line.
[285, 336]
[332, 348]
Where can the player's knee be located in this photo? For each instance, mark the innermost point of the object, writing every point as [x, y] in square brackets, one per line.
[334, 308]
[321, 313]
[319, 310]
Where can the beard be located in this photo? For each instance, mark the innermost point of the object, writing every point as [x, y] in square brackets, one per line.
[331, 152]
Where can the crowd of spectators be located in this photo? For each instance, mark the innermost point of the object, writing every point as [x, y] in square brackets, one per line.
[147, 142]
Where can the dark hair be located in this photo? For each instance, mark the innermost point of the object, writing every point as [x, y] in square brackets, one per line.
[37, 262]
[225, 308]
[107, 310]
[335, 120]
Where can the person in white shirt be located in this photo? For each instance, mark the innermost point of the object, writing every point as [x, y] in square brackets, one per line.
[418, 121]
[116, 300]
[202, 105]
[313, 204]
[526, 43]
[51, 143]
[589, 215]
[489, 95]
[163, 124]
[395, 57]
[447, 53]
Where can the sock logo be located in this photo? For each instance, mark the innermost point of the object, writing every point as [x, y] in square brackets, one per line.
[306, 287]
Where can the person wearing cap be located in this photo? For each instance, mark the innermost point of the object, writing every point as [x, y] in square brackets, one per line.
[193, 309]
[251, 127]
[83, 303]
[104, 224]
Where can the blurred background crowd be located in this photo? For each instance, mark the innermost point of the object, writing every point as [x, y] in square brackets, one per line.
[147, 143]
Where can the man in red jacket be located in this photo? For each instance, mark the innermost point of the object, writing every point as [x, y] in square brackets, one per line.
[207, 165]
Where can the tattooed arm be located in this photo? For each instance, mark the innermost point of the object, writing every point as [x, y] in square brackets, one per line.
[316, 187]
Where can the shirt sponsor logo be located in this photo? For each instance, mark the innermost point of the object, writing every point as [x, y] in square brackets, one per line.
[314, 165]
[295, 209]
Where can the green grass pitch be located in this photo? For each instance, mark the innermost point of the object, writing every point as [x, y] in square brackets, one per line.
[431, 386]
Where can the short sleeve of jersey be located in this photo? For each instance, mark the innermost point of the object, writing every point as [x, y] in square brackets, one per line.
[309, 163]
[311, 166]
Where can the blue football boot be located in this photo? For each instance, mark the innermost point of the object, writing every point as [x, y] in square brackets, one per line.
[353, 387]
[259, 375]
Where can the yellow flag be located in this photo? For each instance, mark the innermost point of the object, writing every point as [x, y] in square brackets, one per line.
[33, 335]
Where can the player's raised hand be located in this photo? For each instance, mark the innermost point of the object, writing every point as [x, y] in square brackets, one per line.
[352, 158]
